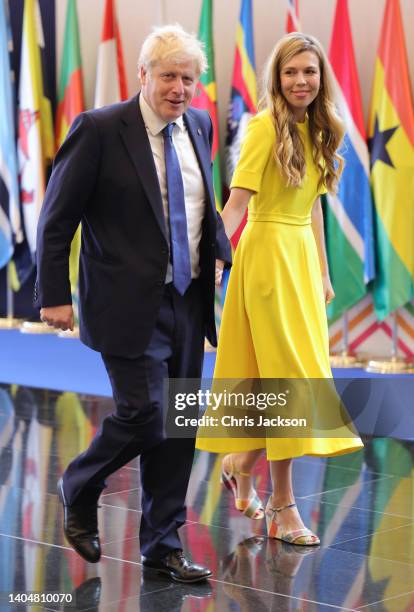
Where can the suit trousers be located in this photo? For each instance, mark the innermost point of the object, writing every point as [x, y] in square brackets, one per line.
[175, 350]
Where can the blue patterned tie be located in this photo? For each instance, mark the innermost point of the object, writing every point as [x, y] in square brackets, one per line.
[180, 251]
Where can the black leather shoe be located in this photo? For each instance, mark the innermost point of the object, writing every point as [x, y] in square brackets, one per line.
[80, 524]
[177, 567]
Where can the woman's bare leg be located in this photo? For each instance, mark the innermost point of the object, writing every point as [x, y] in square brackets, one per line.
[282, 495]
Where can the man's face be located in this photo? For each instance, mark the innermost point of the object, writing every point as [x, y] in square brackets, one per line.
[169, 87]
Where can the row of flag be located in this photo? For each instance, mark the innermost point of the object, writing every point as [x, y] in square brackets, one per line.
[23, 173]
[369, 223]
[368, 243]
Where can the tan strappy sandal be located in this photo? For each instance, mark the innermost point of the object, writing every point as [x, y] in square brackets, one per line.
[300, 537]
[251, 507]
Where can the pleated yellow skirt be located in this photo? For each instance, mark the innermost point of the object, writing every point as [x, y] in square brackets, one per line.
[274, 326]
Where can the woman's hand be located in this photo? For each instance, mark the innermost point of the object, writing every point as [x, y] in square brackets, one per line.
[328, 291]
[219, 271]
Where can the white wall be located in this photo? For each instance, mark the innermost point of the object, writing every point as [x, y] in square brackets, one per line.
[136, 17]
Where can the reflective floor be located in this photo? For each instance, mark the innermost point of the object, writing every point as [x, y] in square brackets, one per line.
[361, 505]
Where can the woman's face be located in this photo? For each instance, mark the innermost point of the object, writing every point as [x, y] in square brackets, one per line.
[300, 80]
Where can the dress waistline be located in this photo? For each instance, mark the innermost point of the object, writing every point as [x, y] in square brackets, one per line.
[279, 218]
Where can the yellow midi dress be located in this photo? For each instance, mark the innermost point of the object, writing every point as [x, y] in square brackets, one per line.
[274, 321]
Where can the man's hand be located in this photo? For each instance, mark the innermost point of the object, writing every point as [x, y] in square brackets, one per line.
[219, 271]
[59, 317]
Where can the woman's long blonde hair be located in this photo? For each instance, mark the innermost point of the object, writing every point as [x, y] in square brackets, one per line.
[325, 126]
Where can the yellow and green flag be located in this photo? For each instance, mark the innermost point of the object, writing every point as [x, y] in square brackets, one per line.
[206, 99]
[391, 144]
[70, 104]
[206, 93]
[70, 92]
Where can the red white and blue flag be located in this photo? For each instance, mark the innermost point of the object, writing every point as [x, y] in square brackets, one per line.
[292, 18]
[349, 214]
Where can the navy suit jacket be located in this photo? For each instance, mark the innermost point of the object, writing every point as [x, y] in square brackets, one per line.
[105, 177]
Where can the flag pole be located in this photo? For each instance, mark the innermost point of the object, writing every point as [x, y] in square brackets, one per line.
[161, 12]
[394, 364]
[344, 359]
[9, 322]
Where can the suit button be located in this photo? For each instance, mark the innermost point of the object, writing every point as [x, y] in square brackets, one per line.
[164, 250]
[161, 282]
[213, 245]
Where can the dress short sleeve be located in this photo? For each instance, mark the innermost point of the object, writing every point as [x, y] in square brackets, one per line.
[255, 152]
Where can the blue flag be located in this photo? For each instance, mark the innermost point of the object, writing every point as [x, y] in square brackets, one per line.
[10, 221]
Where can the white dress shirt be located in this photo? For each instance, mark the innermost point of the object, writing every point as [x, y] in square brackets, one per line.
[194, 192]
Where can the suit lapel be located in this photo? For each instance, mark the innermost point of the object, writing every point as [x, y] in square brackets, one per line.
[203, 156]
[135, 139]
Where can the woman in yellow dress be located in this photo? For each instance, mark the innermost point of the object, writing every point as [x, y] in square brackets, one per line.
[274, 320]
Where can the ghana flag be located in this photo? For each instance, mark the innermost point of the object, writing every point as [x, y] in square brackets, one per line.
[391, 143]
[206, 93]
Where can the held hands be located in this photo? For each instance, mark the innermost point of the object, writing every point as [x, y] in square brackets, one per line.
[328, 291]
[219, 271]
[59, 317]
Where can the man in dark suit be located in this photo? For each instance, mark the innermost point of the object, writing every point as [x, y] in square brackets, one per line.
[138, 176]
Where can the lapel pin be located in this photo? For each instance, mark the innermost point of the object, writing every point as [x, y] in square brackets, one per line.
[199, 131]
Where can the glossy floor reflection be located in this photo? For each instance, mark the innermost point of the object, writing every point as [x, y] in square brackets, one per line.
[361, 505]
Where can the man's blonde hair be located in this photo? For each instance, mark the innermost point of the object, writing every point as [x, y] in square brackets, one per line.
[172, 43]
